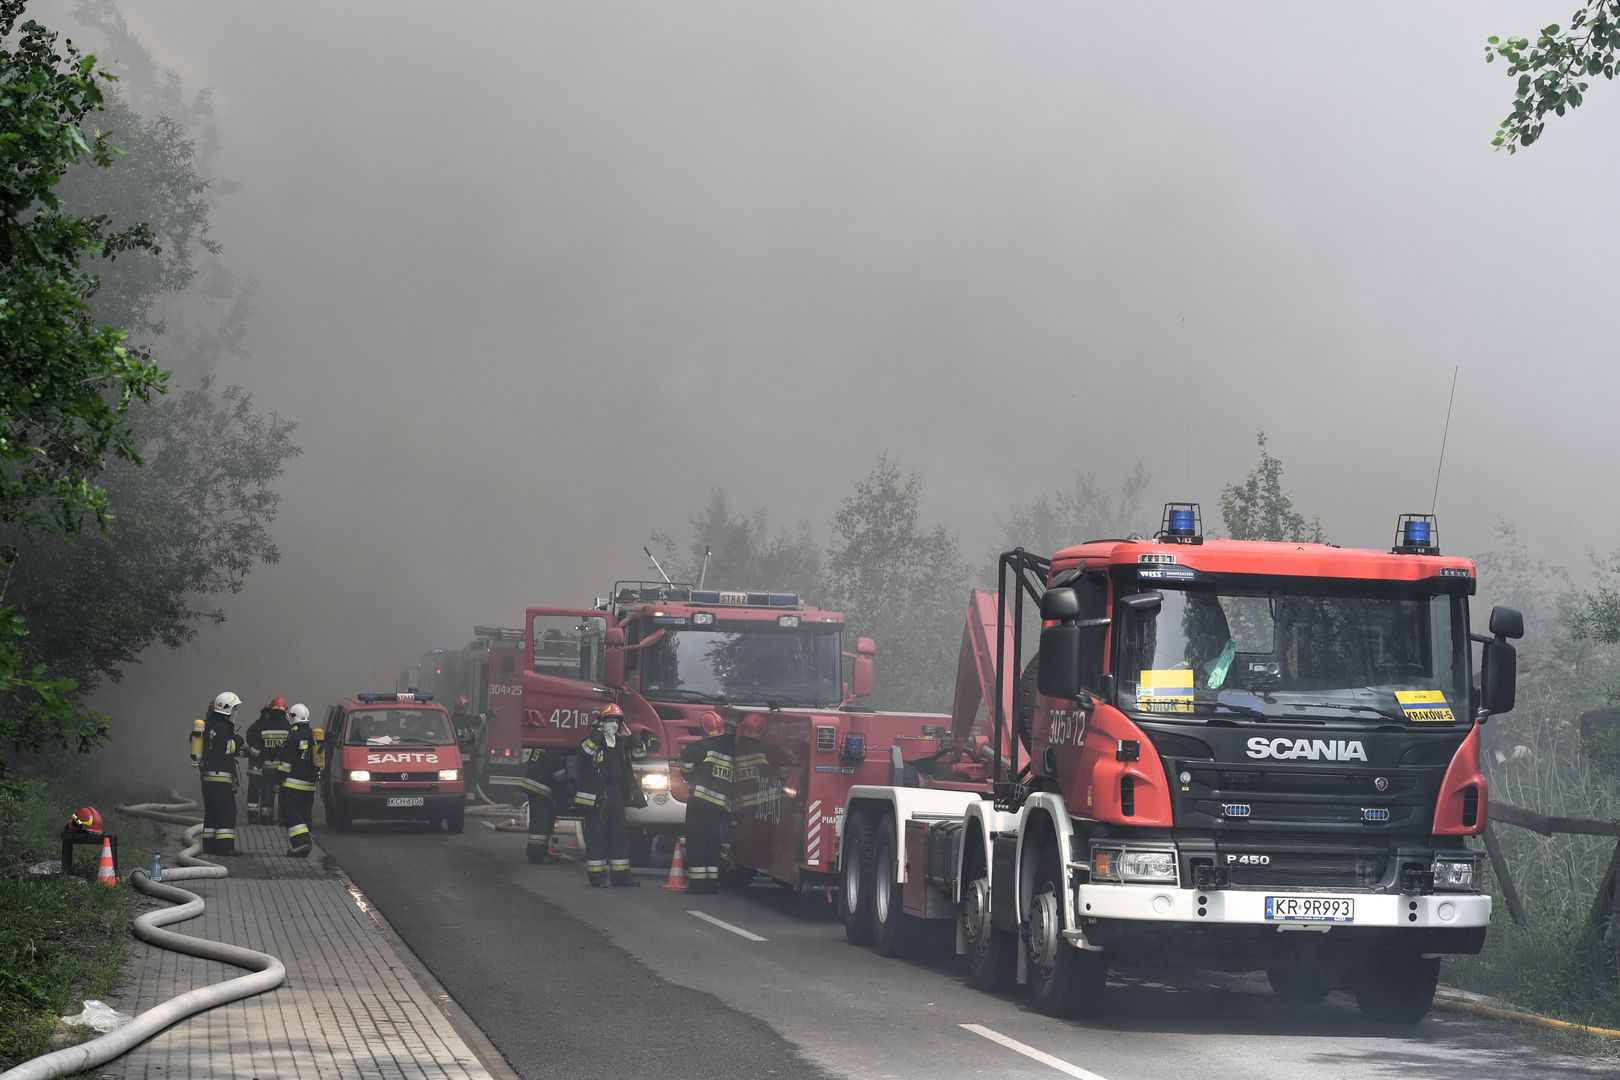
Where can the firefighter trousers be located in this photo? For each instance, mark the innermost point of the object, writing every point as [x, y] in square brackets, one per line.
[219, 815]
[542, 823]
[256, 791]
[607, 838]
[705, 824]
[295, 810]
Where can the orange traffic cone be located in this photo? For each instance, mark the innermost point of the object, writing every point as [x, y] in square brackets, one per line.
[677, 869]
[105, 874]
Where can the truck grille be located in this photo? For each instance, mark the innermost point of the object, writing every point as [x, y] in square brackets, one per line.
[1312, 870]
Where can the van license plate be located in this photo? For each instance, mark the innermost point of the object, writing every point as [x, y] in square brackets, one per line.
[1339, 909]
[416, 800]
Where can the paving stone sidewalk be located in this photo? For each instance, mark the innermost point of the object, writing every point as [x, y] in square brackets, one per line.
[350, 1006]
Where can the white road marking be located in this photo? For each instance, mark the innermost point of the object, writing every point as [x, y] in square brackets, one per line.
[1033, 1054]
[739, 931]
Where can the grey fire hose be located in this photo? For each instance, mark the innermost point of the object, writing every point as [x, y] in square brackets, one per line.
[268, 972]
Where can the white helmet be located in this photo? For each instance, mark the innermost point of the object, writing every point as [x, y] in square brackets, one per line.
[298, 714]
[226, 703]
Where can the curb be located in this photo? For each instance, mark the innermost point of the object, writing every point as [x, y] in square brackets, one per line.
[1474, 1005]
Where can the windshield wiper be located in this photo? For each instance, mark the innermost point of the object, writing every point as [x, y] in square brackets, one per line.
[780, 701]
[1373, 709]
[692, 695]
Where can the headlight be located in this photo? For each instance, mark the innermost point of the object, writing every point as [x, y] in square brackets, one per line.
[359, 775]
[1117, 864]
[655, 781]
[449, 774]
[1456, 874]
[1148, 865]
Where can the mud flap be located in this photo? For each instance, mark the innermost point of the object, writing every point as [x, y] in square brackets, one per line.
[1004, 883]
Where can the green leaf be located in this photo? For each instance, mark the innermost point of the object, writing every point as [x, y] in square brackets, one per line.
[1493, 40]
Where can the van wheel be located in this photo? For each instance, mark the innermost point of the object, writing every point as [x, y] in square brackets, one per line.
[456, 819]
[341, 820]
[1397, 989]
[991, 956]
[1064, 980]
[893, 931]
[855, 884]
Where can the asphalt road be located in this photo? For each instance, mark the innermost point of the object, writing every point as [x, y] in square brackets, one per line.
[567, 981]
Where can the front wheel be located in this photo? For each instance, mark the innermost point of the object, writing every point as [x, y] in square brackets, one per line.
[456, 820]
[1063, 980]
[641, 846]
[892, 928]
[1397, 989]
[855, 884]
[342, 820]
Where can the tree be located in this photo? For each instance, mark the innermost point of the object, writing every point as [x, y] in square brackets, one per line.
[744, 552]
[902, 583]
[1259, 508]
[1084, 512]
[1551, 72]
[68, 383]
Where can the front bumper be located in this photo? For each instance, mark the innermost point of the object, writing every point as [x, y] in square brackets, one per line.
[1153, 904]
[663, 813]
[374, 807]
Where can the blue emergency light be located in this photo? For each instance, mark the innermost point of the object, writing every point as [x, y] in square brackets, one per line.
[1182, 524]
[1417, 534]
[854, 747]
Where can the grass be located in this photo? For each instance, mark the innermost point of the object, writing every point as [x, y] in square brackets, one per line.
[62, 940]
[1558, 965]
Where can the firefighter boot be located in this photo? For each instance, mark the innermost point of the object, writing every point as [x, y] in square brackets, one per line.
[624, 879]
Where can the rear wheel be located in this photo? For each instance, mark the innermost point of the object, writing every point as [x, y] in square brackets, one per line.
[456, 819]
[892, 929]
[1063, 980]
[1397, 989]
[991, 955]
[855, 891]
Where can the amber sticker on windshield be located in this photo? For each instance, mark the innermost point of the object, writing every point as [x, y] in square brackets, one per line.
[1165, 690]
[1425, 706]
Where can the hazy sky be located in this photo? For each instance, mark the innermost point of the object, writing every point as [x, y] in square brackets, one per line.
[533, 277]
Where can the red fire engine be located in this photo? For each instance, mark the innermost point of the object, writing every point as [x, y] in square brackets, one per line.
[1235, 755]
[488, 673]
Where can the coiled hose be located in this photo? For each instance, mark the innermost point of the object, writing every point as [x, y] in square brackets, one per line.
[267, 971]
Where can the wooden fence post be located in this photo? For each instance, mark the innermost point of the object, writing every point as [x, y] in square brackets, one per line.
[1499, 867]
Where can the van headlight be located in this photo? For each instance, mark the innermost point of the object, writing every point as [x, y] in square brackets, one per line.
[359, 776]
[655, 781]
[449, 774]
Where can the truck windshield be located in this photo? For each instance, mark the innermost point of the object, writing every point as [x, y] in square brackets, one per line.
[393, 727]
[745, 662]
[1297, 653]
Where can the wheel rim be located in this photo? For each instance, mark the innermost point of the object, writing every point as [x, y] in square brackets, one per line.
[1045, 921]
[852, 878]
[885, 882]
[976, 917]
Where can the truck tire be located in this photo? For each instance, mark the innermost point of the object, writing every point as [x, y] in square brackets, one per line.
[341, 821]
[1063, 980]
[456, 820]
[855, 883]
[991, 951]
[1397, 989]
[1304, 981]
[641, 846]
[893, 931]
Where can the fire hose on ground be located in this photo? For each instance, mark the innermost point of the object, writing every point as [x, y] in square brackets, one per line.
[267, 972]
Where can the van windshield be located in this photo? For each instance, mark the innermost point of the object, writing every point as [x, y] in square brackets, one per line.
[1294, 652]
[393, 727]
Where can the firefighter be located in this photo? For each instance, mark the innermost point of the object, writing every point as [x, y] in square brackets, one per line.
[215, 754]
[545, 779]
[470, 728]
[264, 741]
[300, 769]
[707, 765]
[607, 785]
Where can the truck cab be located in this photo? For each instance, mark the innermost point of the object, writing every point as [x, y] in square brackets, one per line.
[667, 653]
[392, 756]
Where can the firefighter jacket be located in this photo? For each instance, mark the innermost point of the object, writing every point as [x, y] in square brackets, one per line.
[264, 740]
[756, 768]
[220, 749]
[708, 765]
[546, 774]
[602, 766]
[299, 765]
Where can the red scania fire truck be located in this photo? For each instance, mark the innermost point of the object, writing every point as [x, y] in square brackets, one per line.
[667, 652]
[1235, 755]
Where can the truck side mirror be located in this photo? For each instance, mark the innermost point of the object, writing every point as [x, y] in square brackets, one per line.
[865, 646]
[1060, 604]
[613, 661]
[861, 676]
[1498, 676]
[1506, 623]
[1071, 658]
